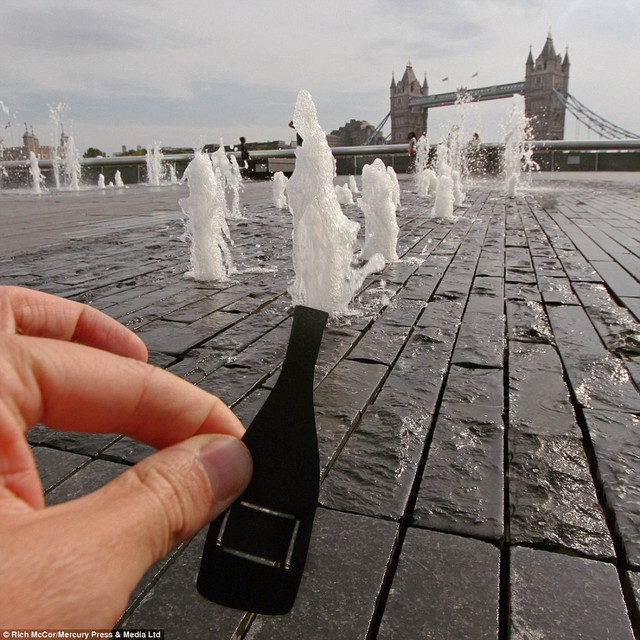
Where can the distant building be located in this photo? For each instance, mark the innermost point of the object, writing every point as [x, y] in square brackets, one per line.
[29, 143]
[544, 79]
[550, 71]
[404, 118]
[354, 134]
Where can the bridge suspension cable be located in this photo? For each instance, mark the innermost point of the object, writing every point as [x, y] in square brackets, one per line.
[592, 120]
[372, 138]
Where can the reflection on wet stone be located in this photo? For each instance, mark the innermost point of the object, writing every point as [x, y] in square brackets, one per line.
[552, 498]
[462, 485]
[615, 438]
[539, 401]
[599, 380]
[380, 344]
[527, 321]
[480, 342]
[374, 473]
[556, 290]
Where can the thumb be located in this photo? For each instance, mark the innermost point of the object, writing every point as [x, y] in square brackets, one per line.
[165, 499]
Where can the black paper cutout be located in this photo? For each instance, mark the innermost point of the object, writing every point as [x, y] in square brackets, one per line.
[255, 551]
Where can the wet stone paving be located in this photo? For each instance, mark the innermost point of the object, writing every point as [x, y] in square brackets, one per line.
[478, 410]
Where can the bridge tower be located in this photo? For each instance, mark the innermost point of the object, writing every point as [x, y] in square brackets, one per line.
[404, 118]
[549, 71]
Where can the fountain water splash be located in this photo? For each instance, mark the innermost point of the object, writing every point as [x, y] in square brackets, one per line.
[118, 178]
[3, 172]
[344, 194]
[233, 185]
[517, 151]
[458, 194]
[460, 139]
[456, 152]
[323, 237]
[279, 190]
[230, 179]
[353, 185]
[395, 186]
[66, 157]
[37, 179]
[379, 208]
[71, 168]
[154, 165]
[205, 211]
[443, 205]
[55, 115]
[423, 173]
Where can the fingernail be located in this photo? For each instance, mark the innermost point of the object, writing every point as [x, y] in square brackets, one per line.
[228, 465]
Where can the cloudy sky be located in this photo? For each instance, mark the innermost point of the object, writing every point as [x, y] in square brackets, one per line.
[184, 73]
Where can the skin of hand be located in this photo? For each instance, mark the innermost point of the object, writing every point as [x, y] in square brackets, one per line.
[69, 366]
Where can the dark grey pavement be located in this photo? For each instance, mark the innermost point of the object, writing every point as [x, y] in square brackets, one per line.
[478, 412]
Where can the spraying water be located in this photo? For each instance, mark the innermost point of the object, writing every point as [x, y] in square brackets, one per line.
[230, 179]
[443, 205]
[343, 194]
[55, 115]
[71, 163]
[423, 173]
[379, 208]
[458, 194]
[517, 153]
[278, 189]
[233, 184]
[154, 165]
[323, 237]
[219, 161]
[101, 184]
[119, 182]
[205, 212]
[353, 185]
[37, 179]
[395, 186]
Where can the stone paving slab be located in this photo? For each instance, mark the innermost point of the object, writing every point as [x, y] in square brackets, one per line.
[444, 587]
[553, 592]
[477, 411]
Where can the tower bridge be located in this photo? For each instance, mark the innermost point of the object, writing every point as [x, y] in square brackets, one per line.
[494, 92]
[546, 96]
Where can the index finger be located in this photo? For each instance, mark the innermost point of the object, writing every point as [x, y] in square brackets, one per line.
[72, 387]
[39, 314]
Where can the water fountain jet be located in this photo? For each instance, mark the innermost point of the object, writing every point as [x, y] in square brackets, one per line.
[379, 208]
[443, 205]
[517, 152]
[71, 163]
[279, 190]
[323, 237]
[205, 211]
[37, 179]
[154, 165]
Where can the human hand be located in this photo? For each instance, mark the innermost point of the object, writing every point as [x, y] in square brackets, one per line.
[64, 364]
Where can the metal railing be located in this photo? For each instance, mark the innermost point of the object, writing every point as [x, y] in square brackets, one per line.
[339, 152]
